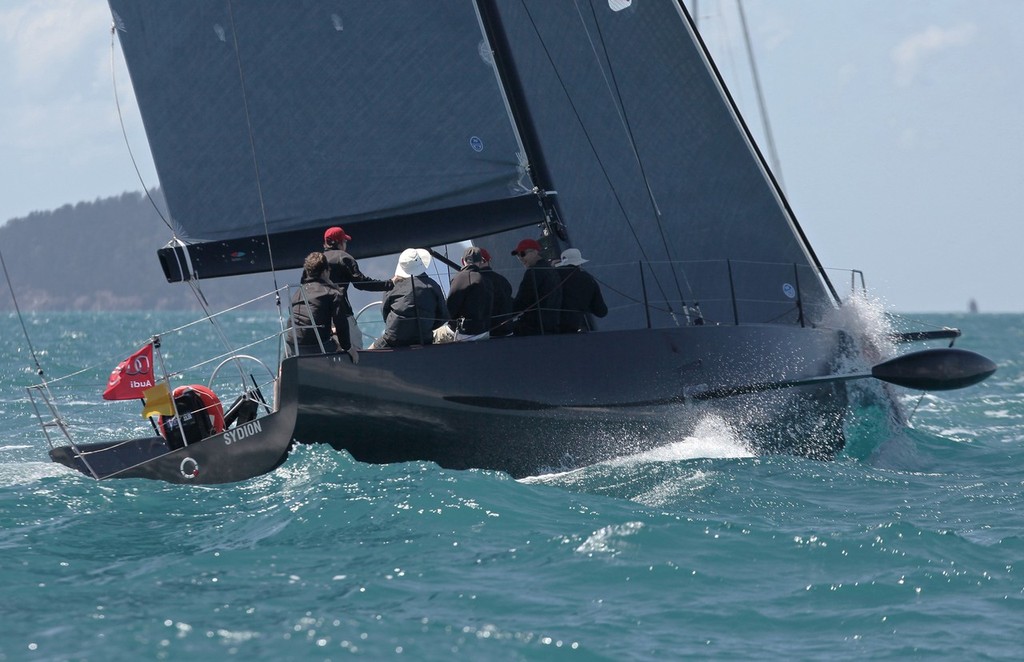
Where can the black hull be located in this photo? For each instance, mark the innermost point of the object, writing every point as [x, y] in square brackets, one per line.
[240, 453]
[533, 404]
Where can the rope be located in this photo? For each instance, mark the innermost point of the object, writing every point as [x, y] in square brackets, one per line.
[917, 404]
[215, 323]
[590, 142]
[255, 160]
[193, 283]
[124, 131]
[621, 106]
[32, 351]
[636, 155]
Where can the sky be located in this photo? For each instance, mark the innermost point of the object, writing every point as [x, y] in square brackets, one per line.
[897, 125]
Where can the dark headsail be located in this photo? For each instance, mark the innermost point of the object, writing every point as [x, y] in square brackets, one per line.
[652, 163]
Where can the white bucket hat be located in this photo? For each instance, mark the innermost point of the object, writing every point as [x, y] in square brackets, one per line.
[412, 262]
[572, 256]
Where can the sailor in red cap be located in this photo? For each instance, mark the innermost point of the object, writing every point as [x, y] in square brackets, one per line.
[345, 270]
[539, 299]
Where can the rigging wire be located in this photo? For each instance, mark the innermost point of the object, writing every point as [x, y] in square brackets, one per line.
[776, 163]
[252, 144]
[917, 405]
[179, 329]
[21, 319]
[593, 148]
[256, 168]
[621, 107]
[124, 131]
[193, 281]
[193, 284]
[762, 161]
[748, 42]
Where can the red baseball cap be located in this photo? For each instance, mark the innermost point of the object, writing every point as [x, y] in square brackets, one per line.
[527, 244]
[485, 255]
[335, 235]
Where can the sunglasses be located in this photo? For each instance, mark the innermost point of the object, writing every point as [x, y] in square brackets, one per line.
[523, 253]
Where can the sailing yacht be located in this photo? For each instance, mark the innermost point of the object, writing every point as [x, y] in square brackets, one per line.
[596, 124]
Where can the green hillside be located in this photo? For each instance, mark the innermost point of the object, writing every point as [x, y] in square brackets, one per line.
[101, 255]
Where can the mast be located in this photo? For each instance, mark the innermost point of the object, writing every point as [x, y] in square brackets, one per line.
[776, 163]
[490, 21]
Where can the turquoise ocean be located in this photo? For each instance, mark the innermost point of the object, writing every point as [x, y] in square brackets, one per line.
[909, 545]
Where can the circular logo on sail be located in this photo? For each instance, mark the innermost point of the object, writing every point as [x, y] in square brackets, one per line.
[189, 468]
[476, 144]
[789, 290]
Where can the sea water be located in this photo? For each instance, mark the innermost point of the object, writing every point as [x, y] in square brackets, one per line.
[908, 545]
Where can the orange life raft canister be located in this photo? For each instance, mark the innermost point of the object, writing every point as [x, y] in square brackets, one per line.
[200, 415]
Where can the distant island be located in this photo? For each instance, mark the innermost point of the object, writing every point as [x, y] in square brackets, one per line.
[101, 255]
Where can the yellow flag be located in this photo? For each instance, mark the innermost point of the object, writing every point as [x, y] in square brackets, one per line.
[158, 401]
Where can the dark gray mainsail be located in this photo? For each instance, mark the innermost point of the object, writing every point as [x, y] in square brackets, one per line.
[653, 165]
[384, 117]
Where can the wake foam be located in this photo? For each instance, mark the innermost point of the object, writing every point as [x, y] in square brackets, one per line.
[712, 438]
[664, 470]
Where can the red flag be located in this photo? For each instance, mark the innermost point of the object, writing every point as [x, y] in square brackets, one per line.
[132, 376]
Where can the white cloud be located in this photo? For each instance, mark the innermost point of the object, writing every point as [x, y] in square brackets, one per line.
[59, 126]
[58, 78]
[847, 73]
[773, 31]
[912, 53]
[48, 39]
